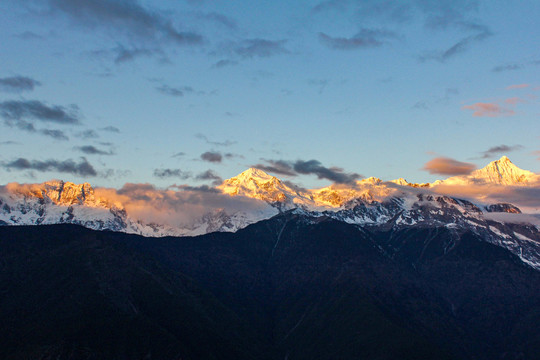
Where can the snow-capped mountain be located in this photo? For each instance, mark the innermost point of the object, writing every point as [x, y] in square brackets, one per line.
[502, 172]
[370, 203]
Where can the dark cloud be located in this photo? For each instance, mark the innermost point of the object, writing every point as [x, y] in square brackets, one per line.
[335, 174]
[122, 54]
[223, 63]
[88, 134]
[179, 154]
[329, 5]
[29, 35]
[125, 17]
[277, 167]
[175, 91]
[216, 143]
[202, 189]
[320, 84]
[18, 84]
[9, 142]
[447, 166]
[212, 156]
[219, 19]
[210, 175]
[171, 173]
[28, 110]
[55, 134]
[500, 149]
[365, 38]
[83, 168]
[459, 47]
[251, 48]
[515, 66]
[92, 150]
[310, 167]
[112, 129]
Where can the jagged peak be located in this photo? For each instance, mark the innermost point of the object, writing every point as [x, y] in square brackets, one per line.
[253, 173]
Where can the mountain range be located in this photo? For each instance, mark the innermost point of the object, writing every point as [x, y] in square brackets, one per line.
[254, 195]
[258, 268]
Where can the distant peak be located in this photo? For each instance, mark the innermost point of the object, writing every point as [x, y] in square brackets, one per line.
[504, 159]
[254, 173]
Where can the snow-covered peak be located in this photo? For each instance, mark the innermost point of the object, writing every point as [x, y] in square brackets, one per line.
[257, 184]
[502, 172]
[55, 191]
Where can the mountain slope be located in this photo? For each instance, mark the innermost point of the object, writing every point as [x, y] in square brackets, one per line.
[294, 286]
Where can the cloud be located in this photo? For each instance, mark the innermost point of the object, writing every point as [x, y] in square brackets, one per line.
[216, 143]
[88, 134]
[488, 110]
[210, 175]
[515, 66]
[458, 48]
[177, 208]
[123, 55]
[500, 149]
[9, 142]
[517, 86]
[179, 91]
[28, 110]
[168, 173]
[310, 167]
[219, 19]
[447, 166]
[55, 134]
[334, 174]
[280, 167]
[263, 48]
[329, 5]
[514, 101]
[178, 154]
[18, 84]
[127, 18]
[83, 168]
[365, 38]
[29, 35]
[112, 129]
[212, 156]
[223, 63]
[92, 150]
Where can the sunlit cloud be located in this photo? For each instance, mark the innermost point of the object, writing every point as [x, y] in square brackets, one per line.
[448, 166]
[517, 86]
[488, 110]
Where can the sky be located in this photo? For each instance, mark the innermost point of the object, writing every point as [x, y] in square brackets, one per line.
[315, 92]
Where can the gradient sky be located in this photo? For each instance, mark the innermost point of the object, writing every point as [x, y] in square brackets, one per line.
[116, 91]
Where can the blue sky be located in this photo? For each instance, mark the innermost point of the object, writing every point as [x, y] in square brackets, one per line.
[189, 92]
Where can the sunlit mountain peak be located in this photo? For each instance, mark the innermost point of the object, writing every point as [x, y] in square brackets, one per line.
[501, 172]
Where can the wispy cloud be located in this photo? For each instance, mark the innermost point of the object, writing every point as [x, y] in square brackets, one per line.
[517, 86]
[365, 38]
[500, 149]
[112, 129]
[18, 84]
[448, 166]
[263, 48]
[309, 167]
[216, 143]
[515, 66]
[127, 18]
[172, 173]
[92, 150]
[488, 110]
[29, 110]
[82, 168]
